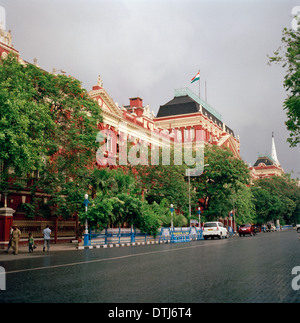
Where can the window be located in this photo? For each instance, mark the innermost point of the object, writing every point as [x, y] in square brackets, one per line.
[210, 225]
[109, 143]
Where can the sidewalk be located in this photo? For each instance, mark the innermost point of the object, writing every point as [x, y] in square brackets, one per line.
[38, 252]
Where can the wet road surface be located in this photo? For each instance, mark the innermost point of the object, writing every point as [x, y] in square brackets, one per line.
[238, 269]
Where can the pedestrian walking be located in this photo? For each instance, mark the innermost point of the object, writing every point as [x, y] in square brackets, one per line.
[47, 234]
[10, 239]
[30, 242]
[16, 235]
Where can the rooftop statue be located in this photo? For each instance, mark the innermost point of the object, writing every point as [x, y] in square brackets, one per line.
[5, 36]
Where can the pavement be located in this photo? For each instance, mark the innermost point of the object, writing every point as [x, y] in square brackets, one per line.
[38, 252]
[23, 251]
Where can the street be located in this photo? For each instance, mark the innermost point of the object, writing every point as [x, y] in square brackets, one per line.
[239, 269]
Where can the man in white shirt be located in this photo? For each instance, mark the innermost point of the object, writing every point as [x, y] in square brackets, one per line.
[47, 234]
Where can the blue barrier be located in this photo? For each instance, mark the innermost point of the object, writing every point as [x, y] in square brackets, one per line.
[131, 236]
[119, 236]
[285, 227]
[188, 234]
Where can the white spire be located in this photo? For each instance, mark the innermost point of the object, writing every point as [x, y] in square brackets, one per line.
[273, 154]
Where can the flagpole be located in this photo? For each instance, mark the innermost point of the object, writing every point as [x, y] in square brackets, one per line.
[199, 84]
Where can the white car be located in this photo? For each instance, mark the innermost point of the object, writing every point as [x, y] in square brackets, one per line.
[214, 229]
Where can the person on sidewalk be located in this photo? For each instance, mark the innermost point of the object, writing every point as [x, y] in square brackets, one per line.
[16, 235]
[47, 234]
[10, 239]
[30, 242]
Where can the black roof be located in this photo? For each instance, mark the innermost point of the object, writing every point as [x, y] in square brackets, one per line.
[266, 160]
[179, 105]
[185, 105]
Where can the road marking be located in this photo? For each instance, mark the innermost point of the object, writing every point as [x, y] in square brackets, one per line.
[104, 259]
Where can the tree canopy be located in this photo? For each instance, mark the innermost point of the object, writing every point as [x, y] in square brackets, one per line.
[44, 118]
[277, 198]
[289, 57]
[48, 126]
[220, 180]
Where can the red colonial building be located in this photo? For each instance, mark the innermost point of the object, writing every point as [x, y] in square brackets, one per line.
[178, 119]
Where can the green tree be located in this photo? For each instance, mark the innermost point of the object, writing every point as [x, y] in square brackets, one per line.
[242, 203]
[48, 124]
[148, 222]
[279, 197]
[263, 204]
[120, 209]
[101, 212]
[26, 125]
[223, 177]
[164, 182]
[289, 57]
[162, 212]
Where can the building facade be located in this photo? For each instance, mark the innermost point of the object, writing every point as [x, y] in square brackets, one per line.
[187, 113]
[178, 119]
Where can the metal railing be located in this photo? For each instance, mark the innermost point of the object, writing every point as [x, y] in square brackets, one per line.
[120, 236]
[36, 227]
[187, 91]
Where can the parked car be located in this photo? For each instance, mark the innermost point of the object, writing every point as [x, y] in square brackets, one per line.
[246, 229]
[214, 229]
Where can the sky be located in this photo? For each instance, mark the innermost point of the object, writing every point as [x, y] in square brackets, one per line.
[148, 48]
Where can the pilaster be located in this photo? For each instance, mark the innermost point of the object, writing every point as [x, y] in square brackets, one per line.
[6, 221]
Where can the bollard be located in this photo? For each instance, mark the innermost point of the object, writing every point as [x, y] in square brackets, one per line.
[86, 239]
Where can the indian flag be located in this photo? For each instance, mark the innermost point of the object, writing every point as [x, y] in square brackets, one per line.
[196, 77]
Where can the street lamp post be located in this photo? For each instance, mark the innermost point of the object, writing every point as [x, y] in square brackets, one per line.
[86, 232]
[5, 193]
[189, 184]
[199, 214]
[172, 210]
[190, 211]
[234, 224]
[232, 215]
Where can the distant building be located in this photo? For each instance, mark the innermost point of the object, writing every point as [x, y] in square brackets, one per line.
[267, 166]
